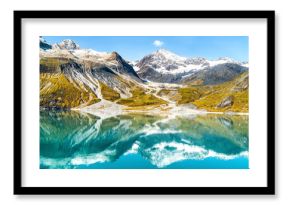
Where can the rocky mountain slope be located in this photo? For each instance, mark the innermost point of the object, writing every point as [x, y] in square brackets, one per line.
[72, 77]
[231, 96]
[166, 67]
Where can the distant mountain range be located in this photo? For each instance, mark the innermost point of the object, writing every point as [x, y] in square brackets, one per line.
[166, 67]
[71, 77]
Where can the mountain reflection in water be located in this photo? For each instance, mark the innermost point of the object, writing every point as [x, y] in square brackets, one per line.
[76, 140]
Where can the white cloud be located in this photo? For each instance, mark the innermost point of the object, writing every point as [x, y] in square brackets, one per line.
[158, 43]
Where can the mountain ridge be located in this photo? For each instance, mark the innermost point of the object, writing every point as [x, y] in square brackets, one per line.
[86, 71]
[72, 77]
[167, 67]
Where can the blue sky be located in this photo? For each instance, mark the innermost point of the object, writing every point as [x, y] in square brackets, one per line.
[136, 47]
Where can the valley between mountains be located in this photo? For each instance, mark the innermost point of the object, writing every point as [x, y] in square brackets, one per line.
[105, 84]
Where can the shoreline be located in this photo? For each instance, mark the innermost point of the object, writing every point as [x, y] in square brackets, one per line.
[104, 112]
[196, 111]
[107, 109]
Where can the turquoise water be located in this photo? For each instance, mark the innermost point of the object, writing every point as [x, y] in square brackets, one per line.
[82, 141]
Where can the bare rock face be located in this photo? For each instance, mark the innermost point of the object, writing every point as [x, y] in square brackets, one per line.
[228, 101]
[217, 74]
[243, 83]
[121, 66]
[43, 44]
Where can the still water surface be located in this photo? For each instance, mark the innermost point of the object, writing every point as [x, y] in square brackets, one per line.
[83, 141]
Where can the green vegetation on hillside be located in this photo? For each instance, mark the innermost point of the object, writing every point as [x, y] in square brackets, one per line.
[140, 98]
[56, 91]
[212, 96]
[188, 94]
[59, 91]
[108, 93]
[51, 65]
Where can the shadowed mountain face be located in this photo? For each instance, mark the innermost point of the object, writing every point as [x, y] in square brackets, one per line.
[74, 140]
[73, 77]
[124, 67]
[149, 73]
[209, 76]
[44, 45]
[216, 74]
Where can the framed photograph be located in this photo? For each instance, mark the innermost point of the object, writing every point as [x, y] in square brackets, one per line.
[144, 102]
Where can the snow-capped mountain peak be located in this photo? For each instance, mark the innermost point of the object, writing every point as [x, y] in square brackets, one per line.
[67, 44]
[166, 66]
[221, 60]
[168, 55]
[226, 59]
[69, 49]
[167, 62]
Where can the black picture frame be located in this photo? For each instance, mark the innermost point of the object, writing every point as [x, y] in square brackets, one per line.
[268, 190]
